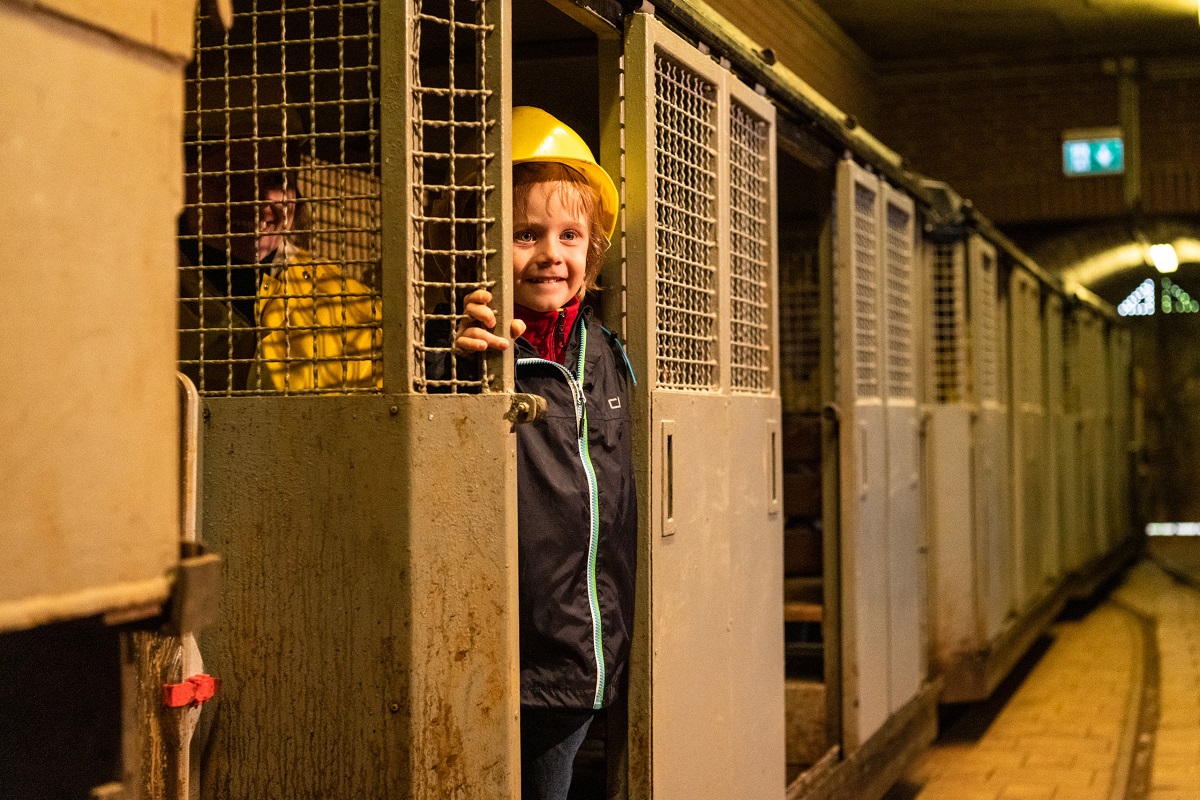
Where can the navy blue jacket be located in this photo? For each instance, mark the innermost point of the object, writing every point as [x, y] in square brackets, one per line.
[577, 522]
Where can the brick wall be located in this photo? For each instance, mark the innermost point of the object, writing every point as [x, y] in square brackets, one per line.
[995, 135]
[811, 45]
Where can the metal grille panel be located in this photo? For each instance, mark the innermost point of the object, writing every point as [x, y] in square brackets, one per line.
[452, 203]
[280, 235]
[984, 329]
[799, 327]
[685, 227]
[948, 325]
[899, 292]
[866, 293]
[750, 251]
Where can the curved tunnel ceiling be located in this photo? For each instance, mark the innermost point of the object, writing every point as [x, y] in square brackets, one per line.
[1100, 254]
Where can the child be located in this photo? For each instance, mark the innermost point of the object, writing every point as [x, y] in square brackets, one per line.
[577, 512]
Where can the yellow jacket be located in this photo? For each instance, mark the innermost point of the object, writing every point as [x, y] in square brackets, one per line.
[321, 329]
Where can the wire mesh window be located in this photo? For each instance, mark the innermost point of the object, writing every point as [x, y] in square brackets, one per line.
[685, 227]
[1055, 340]
[799, 324]
[866, 293]
[750, 251]
[1027, 363]
[898, 283]
[984, 330]
[279, 242]
[948, 324]
[452, 201]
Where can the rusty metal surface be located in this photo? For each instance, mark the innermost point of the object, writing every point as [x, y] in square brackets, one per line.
[87, 452]
[367, 635]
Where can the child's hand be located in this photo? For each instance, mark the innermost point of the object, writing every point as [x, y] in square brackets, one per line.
[470, 338]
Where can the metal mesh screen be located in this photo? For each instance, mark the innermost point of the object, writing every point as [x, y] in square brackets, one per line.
[750, 251]
[1027, 363]
[866, 293]
[948, 324]
[1055, 336]
[451, 198]
[280, 235]
[799, 325]
[898, 284]
[984, 330]
[685, 210]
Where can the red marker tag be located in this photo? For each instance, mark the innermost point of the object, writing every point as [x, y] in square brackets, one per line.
[194, 691]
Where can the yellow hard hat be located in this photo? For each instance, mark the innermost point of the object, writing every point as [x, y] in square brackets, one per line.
[538, 136]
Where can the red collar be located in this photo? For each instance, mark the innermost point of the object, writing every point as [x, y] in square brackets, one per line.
[548, 331]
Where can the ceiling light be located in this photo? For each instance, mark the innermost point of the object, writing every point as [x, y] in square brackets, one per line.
[1164, 258]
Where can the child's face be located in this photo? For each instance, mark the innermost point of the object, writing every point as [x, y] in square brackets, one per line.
[550, 247]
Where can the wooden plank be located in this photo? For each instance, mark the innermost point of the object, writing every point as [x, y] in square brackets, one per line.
[799, 611]
[883, 758]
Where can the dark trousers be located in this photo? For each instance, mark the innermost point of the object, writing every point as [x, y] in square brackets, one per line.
[550, 738]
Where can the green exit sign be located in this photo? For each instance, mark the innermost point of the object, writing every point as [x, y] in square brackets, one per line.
[1097, 151]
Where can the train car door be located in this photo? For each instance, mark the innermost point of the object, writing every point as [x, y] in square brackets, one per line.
[706, 697]
[989, 437]
[1028, 446]
[865, 571]
[1070, 446]
[1053, 438]
[957, 581]
[1120, 343]
[347, 189]
[1093, 435]
[906, 586]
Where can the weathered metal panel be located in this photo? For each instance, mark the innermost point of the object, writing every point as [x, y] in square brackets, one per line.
[989, 438]
[1120, 342]
[368, 626]
[87, 404]
[1052, 454]
[863, 454]
[694, 666]
[1028, 417]
[1069, 428]
[755, 531]
[906, 584]
[958, 626]
[706, 703]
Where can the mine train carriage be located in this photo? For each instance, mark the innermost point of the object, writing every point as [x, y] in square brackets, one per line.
[877, 447]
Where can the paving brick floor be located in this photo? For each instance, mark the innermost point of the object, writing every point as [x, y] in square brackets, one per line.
[1063, 728]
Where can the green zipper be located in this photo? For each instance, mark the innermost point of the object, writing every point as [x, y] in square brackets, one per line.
[581, 424]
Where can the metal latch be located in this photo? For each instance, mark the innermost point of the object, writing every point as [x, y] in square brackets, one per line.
[193, 604]
[526, 408]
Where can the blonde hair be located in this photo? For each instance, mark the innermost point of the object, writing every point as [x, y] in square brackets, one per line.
[578, 199]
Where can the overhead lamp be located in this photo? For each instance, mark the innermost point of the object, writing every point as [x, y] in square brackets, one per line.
[1164, 258]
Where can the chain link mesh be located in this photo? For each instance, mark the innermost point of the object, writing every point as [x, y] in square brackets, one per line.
[799, 325]
[866, 292]
[898, 284]
[948, 324]
[279, 242]
[984, 327]
[452, 202]
[750, 251]
[685, 227]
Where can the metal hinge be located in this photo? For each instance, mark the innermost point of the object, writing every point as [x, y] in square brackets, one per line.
[194, 594]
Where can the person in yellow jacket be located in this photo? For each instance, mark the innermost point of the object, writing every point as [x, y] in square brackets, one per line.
[319, 328]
